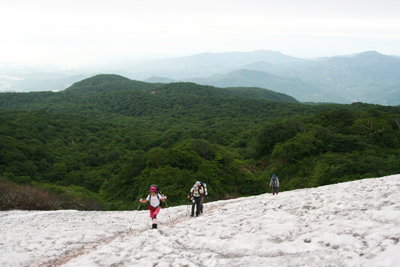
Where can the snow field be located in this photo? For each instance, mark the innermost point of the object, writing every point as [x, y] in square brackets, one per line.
[350, 224]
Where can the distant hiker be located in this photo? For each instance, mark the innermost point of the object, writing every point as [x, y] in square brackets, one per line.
[155, 199]
[275, 184]
[195, 193]
[203, 187]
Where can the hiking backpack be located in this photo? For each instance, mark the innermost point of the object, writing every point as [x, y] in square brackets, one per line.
[196, 193]
[204, 186]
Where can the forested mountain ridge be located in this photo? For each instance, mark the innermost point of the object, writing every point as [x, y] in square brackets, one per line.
[115, 141]
[210, 91]
[108, 83]
[117, 94]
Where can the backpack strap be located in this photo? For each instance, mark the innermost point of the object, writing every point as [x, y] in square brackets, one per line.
[158, 197]
[192, 193]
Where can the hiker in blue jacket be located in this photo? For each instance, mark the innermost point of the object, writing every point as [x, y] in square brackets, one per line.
[274, 184]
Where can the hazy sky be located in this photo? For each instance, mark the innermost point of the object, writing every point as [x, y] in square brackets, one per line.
[75, 31]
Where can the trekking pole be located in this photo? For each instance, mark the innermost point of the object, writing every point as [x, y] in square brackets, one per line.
[135, 216]
[167, 208]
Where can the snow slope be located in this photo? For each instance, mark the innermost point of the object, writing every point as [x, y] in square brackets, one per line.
[349, 224]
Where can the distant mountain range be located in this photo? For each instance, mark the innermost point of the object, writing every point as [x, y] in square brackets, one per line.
[27, 82]
[295, 87]
[368, 77]
[291, 86]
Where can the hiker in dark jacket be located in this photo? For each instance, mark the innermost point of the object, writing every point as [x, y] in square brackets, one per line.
[155, 204]
[274, 184]
[195, 193]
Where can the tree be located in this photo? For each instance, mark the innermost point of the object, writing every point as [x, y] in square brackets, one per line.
[203, 147]
[155, 157]
[276, 132]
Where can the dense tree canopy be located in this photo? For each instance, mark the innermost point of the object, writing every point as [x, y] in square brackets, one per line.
[114, 137]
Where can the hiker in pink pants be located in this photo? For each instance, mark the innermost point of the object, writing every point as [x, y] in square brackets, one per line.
[155, 199]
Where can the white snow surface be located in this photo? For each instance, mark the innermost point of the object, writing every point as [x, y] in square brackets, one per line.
[349, 224]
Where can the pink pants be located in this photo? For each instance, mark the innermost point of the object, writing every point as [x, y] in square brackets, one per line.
[154, 211]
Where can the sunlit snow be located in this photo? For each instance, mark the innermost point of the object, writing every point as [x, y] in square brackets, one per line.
[348, 224]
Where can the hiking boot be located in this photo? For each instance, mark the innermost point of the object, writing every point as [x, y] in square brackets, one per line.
[154, 226]
[191, 215]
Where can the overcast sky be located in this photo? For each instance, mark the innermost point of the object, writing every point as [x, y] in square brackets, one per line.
[76, 31]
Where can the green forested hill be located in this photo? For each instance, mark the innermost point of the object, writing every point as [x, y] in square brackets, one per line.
[102, 90]
[115, 141]
[112, 83]
[161, 107]
[210, 91]
[107, 83]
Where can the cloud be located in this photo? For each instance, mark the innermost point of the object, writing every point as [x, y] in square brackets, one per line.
[78, 30]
